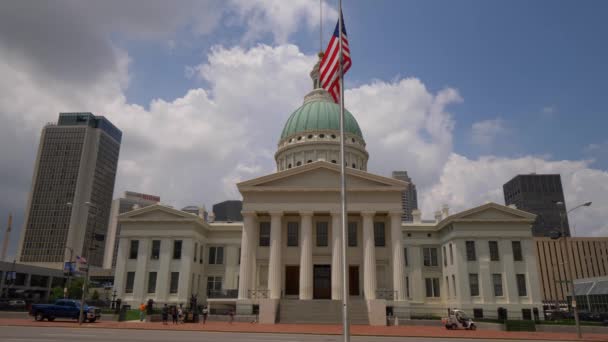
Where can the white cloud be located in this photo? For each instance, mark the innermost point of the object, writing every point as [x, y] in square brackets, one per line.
[484, 133]
[465, 183]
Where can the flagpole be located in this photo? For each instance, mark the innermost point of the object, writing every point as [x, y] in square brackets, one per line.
[345, 323]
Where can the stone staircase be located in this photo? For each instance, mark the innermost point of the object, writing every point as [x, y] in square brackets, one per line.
[321, 311]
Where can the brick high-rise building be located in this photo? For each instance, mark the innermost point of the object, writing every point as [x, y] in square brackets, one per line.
[76, 163]
[409, 197]
[539, 194]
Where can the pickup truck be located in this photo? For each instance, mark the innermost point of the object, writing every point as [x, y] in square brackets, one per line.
[64, 308]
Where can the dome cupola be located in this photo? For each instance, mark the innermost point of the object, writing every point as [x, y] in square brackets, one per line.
[312, 133]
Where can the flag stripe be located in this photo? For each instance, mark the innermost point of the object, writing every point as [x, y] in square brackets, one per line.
[329, 69]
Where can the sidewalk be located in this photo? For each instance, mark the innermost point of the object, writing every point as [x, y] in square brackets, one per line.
[316, 329]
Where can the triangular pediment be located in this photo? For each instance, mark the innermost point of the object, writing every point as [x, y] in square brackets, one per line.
[491, 212]
[157, 212]
[321, 176]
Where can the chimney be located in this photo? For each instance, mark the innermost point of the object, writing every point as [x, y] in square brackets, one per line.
[445, 211]
[7, 236]
[437, 216]
[417, 215]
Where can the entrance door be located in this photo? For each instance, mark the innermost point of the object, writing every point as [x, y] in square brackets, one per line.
[353, 280]
[322, 282]
[292, 280]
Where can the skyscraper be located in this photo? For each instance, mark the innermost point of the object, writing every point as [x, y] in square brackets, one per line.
[130, 201]
[228, 211]
[76, 163]
[409, 197]
[538, 194]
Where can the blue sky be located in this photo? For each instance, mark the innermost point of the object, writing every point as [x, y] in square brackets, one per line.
[538, 65]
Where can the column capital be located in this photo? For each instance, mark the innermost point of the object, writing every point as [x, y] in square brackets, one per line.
[368, 213]
[275, 213]
[306, 213]
[248, 213]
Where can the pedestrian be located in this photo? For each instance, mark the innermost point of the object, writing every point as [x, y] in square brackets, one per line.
[142, 312]
[165, 313]
[174, 314]
[205, 313]
[180, 314]
[231, 313]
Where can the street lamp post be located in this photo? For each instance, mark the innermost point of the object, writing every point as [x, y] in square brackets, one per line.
[571, 274]
[67, 284]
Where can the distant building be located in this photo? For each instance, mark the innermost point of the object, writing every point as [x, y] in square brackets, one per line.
[28, 282]
[76, 163]
[228, 211]
[130, 201]
[538, 194]
[409, 197]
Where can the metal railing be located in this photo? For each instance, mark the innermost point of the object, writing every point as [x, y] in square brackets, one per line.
[386, 294]
[259, 293]
[219, 294]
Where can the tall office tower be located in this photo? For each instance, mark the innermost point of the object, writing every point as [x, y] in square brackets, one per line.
[76, 164]
[130, 201]
[409, 197]
[538, 194]
[228, 211]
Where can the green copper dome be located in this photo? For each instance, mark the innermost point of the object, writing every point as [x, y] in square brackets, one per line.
[318, 114]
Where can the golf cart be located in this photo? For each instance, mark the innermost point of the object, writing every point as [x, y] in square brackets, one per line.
[457, 319]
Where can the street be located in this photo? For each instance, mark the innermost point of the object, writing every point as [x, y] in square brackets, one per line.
[27, 334]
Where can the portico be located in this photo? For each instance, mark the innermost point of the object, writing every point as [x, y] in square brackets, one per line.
[293, 229]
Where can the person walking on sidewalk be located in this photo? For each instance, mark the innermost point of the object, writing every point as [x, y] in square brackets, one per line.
[142, 312]
[165, 313]
[174, 314]
[205, 313]
[231, 313]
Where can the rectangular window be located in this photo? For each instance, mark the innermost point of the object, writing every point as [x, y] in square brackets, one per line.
[470, 246]
[478, 313]
[155, 253]
[134, 248]
[517, 255]
[454, 285]
[264, 234]
[292, 234]
[405, 256]
[407, 286]
[526, 314]
[379, 234]
[214, 284]
[177, 249]
[130, 282]
[494, 255]
[152, 282]
[447, 285]
[445, 257]
[322, 234]
[432, 287]
[195, 251]
[474, 284]
[430, 256]
[200, 260]
[174, 282]
[352, 234]
[216, 255]
[451, 255]
[521, 285]
[497, 282]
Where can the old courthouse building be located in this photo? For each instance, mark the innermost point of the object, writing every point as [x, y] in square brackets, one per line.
[283, 259]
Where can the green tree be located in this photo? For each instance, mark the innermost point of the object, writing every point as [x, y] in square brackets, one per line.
[56, 293]
[75, 288]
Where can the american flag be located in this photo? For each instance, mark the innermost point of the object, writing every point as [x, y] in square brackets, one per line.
[330, 67]
[81, 260]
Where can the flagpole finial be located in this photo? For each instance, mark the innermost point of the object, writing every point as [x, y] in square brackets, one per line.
[321, 54]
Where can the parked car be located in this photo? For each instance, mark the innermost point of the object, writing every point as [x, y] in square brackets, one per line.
[17, 304]
[558, 315]
[457, 319]
[64, 308]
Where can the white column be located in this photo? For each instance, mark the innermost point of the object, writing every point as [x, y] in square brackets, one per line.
[120, 273]
[306, 255]
[140, 284]
[417, 288]
[275, 263]
[185, 271]
[247, 240]
[164, 272]
[369, 256]
[336, 256]
[398, 258]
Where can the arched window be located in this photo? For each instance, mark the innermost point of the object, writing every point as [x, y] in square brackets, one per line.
[354, 166]
[333, 136]
[333, 161]
[299, 163]
[309, 161]
[353, 139]
[289, 166]
[310, 136]
[321, 136]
